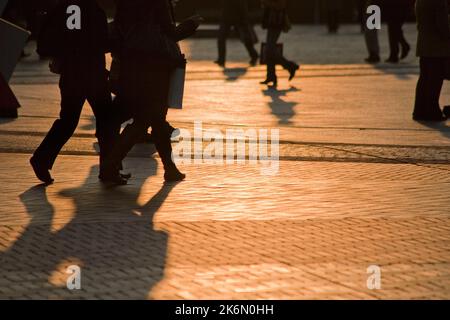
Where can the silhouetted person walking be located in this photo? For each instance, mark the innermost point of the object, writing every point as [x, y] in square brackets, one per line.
[276, 20]
[148, 53]
[433, 48]
[235, 14]
[80, 56]
[396, 13]
[333, 11]
[371, 36]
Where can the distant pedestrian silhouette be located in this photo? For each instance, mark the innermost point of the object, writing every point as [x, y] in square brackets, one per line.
[371, 36]
[235, 14]
[433, 48]
[396, 13]
[276, 20]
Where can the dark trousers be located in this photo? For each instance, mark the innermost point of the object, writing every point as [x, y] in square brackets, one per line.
[396, 36]
[144, 89]
[244, 33]
[429, 87]
[273, 55]
[75, 90]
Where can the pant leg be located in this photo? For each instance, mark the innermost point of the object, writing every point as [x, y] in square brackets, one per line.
[273, 55]
[394, 33]
[429, 87]
[372, 43]
[246, 37]
[271, 51]
[224, 30]
[107, 122]
[72, 100]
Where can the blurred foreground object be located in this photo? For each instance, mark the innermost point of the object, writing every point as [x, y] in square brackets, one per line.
[12, 42]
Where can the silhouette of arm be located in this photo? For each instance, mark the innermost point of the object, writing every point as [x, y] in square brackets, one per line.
[176, 33]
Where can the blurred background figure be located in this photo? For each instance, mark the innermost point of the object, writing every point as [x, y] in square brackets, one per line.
[371, 36]
[276, 20]
[396, 13]
[333, 11]
[433, 48]
[235, 14]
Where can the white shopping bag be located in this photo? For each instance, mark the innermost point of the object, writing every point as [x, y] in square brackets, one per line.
[12, 41]
[176, 88]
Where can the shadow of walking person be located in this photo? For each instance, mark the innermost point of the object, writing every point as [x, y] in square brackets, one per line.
[283, 110]
[233, 74]
[110, 237]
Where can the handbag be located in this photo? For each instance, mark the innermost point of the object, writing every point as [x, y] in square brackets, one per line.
[263, 55]
[176, 88]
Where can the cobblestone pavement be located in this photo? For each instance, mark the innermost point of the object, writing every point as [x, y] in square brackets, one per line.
[358, 184]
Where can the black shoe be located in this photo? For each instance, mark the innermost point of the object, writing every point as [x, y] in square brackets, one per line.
[373, 59]
[254, 61]
[126, 176]
[41, 172]
[433, 118]
[220, 63]
[446, 111]
[115, 179]
[392, 60]
[293, 70]
[405, 51]
[270, 80]
[173, 175]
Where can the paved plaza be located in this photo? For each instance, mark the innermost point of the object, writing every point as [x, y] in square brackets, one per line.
[358, 184]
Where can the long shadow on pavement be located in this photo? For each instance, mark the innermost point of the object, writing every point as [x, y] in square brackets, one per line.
[111, 237]
[283, 110]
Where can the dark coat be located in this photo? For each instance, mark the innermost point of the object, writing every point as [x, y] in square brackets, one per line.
[86, 47]
[148, 29]
[434, 28]
[275, 15]
[235, 12]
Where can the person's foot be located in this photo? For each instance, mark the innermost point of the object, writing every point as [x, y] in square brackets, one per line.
[405, 51]
[221, 63]
[41, 172]
[268, 81]
[446, 111]
[254, 61]
[293, 70]
[126, 176]
[373, 59]
[392, 60]
[433, 118]
[115, 179]
[172, 174]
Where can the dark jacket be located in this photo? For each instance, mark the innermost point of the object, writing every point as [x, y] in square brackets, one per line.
[88, 45]
[275, 15]
[148, 29]
[434, 28]
[235, 11]
[394, 10]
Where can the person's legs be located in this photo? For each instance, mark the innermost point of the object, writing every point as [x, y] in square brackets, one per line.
[429, 89]
[224, 30]
[62, 129]
[394, 32]
[107, 121]
[402, 40]
[246, 37]
[271, 52]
